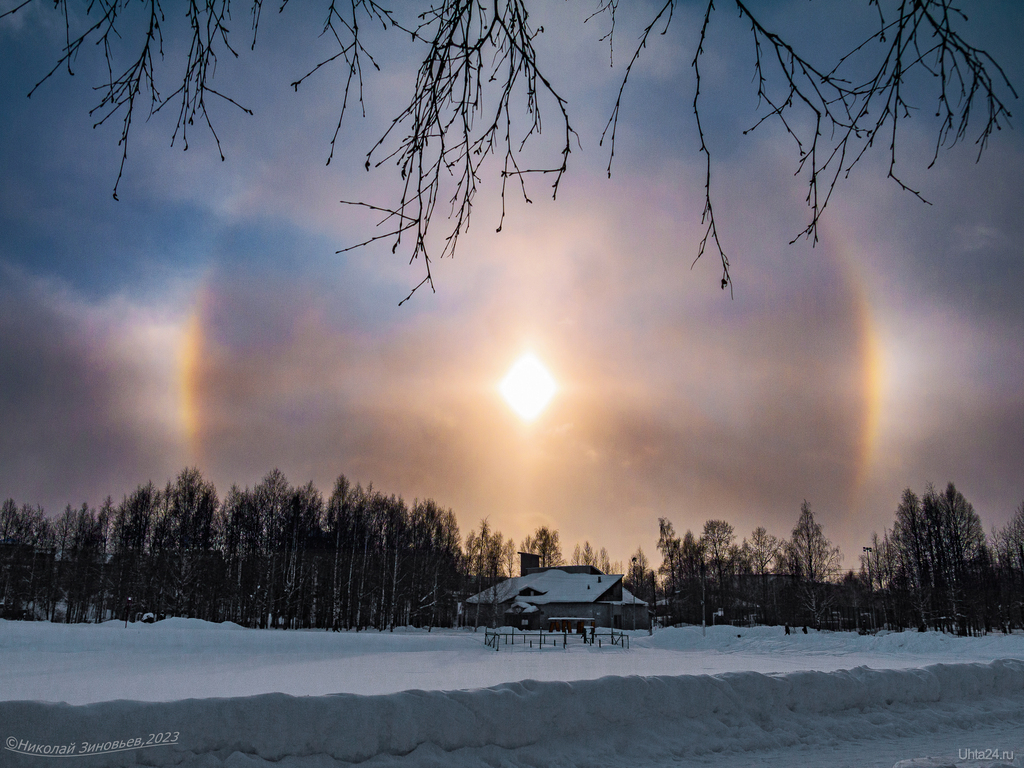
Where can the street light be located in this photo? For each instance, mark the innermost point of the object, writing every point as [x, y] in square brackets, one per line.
[634, 594]
[871, 587]
[703, 615]
[654, 598]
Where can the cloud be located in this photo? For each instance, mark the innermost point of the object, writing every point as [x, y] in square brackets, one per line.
[86, 404]
[206, 319]
[674, 401]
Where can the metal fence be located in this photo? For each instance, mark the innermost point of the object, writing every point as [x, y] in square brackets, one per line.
[599, 638]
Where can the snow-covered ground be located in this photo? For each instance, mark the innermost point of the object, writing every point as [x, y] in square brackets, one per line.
[222, 695]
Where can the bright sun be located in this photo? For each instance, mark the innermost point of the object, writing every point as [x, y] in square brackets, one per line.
[528, 387]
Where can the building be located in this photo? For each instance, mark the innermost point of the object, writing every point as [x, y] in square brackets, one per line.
[563, 598]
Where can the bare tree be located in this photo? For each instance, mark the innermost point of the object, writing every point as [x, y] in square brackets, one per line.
[509, 558]
[815, 562]
[912, 549]
[877, 569]
[584, 555]
[25, 536]
[486, 554]
[544, 542]
[671, 571]
[1008, 543]
[962, 542]
[641, 579]
[716, 543]
[763, 551]
[478, 94]
[604, 563]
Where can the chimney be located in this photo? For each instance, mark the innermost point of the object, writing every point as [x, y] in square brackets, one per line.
[527, 560]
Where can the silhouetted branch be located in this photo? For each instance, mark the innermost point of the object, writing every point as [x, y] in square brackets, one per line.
[344, 29]
[708, 216]
[854, 113]
[479, 88]
[475, 54]
[849, 114]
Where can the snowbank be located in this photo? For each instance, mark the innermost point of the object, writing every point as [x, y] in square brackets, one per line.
[774, 640]
[611, 721]
[174, 622]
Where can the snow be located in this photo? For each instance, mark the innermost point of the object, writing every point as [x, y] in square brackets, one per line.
[557, 586]
[241, 697]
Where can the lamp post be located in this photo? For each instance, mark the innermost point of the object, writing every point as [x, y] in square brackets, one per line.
[654, 598]
[127, 611]
[871, 587]
[703, 614]
[633, 584]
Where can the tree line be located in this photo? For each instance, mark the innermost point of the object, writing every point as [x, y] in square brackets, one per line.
[279, 555]
[763, 579]
[275, 555]
[933, 569]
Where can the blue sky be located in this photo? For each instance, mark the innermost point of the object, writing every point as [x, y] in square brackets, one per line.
[205, 318]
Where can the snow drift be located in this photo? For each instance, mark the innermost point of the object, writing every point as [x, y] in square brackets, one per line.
[608, 721]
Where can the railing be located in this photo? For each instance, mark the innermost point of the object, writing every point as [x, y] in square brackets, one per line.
[495, 638]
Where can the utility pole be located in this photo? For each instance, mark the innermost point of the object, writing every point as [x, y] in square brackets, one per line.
[703, 614]
[871, 588]
[654, 598]
[633, 584]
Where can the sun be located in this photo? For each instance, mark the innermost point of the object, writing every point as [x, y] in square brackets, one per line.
[528, 387]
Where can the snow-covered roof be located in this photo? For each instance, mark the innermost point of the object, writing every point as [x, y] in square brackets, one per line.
[555, 586]
[520, 606]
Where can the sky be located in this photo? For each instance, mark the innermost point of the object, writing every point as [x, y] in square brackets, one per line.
[206, 317]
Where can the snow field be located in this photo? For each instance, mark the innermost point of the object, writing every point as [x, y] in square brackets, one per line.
[190, 659]
[737, 697]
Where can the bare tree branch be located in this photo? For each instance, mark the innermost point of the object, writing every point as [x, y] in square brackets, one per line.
[479, 89]
[475, 53]
[851, 113]
[848, 114]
